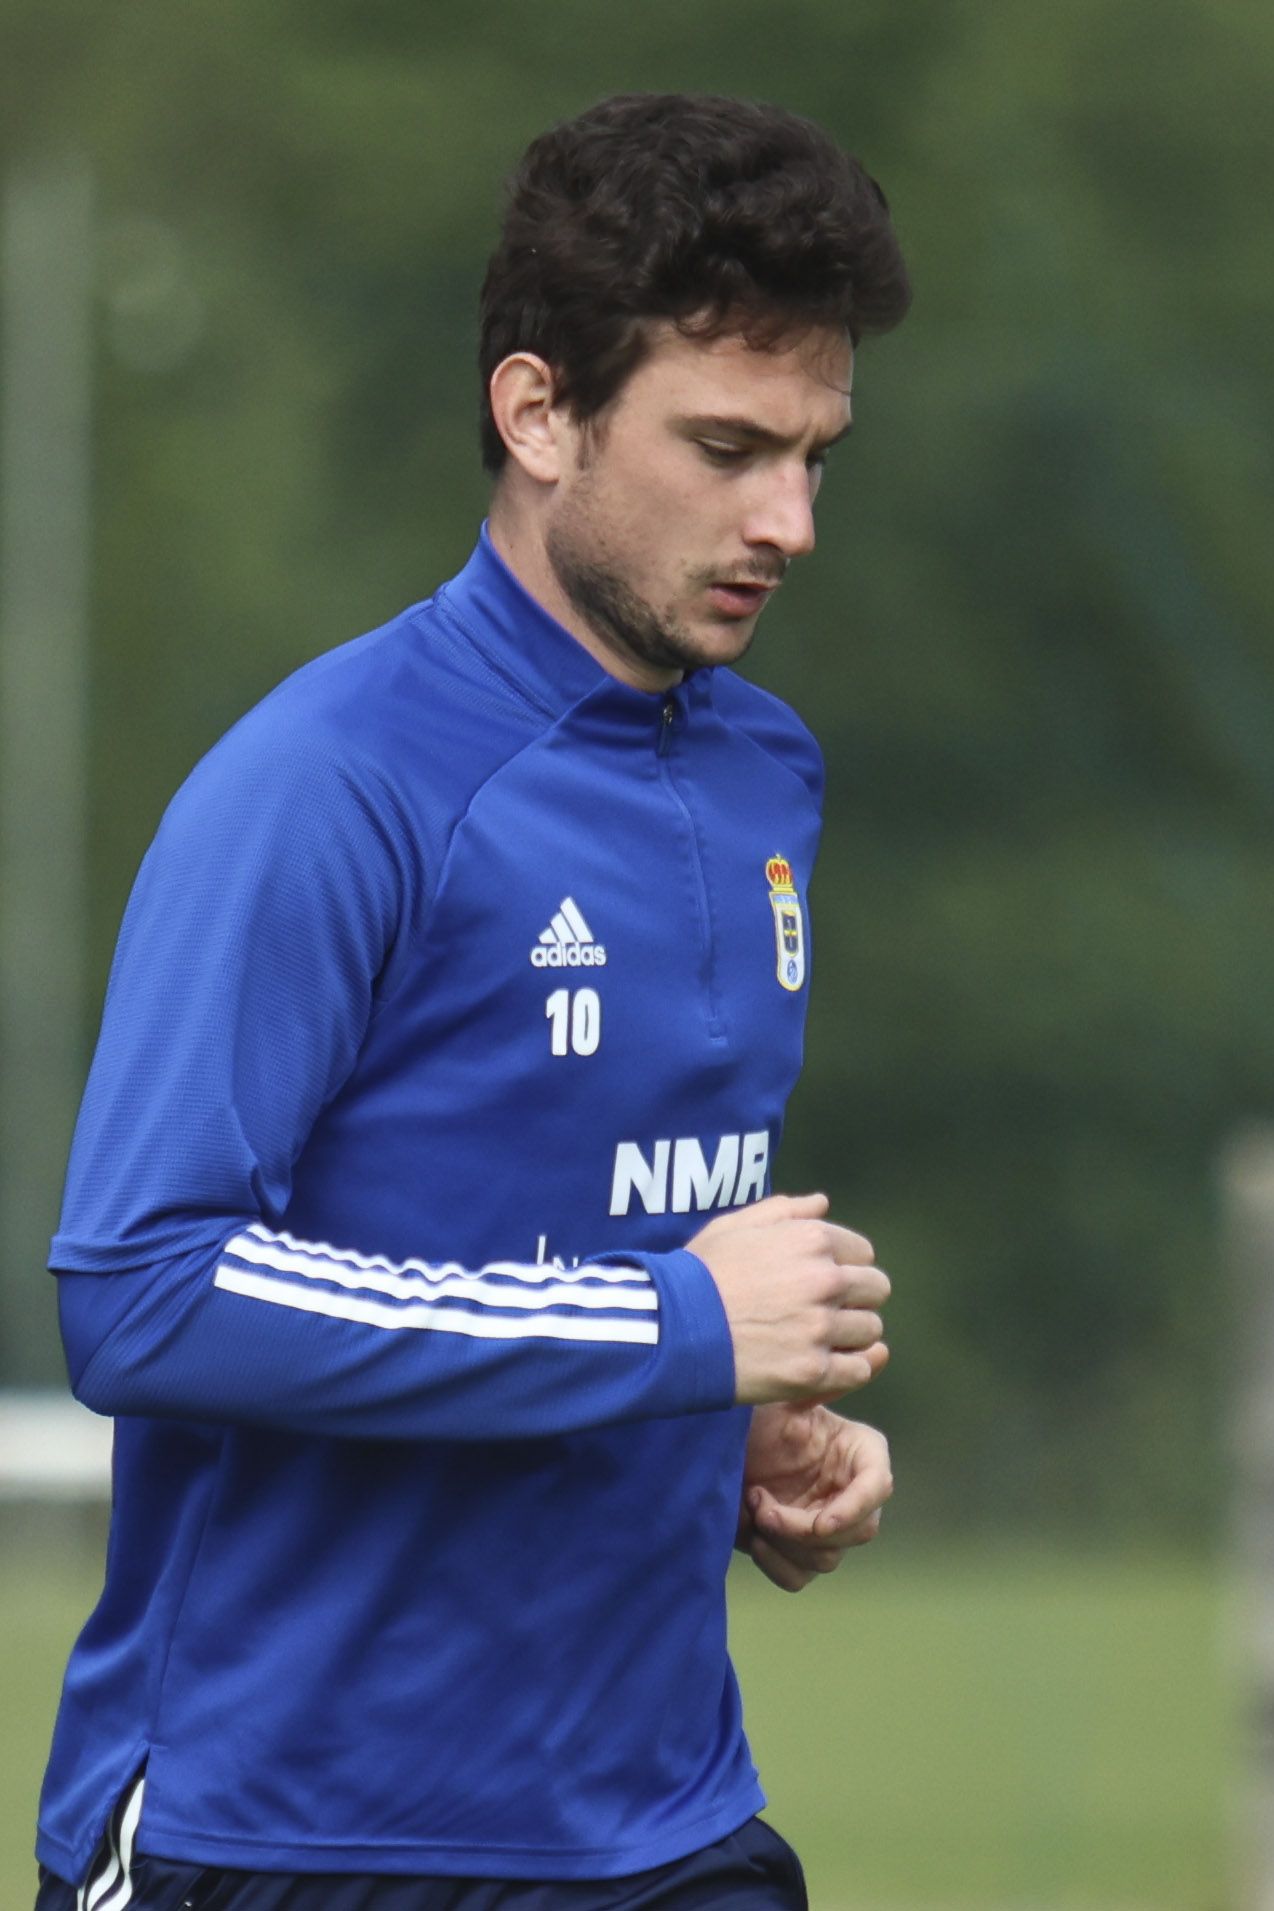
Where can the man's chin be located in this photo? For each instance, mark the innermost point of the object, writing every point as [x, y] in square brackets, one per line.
[721, 643]
[702, 646]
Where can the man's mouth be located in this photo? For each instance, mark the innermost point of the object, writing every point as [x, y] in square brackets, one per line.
[739, 597]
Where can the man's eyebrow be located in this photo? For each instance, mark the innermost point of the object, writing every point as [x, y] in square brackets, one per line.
[748, 429]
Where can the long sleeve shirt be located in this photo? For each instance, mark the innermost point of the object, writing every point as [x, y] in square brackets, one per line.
[460, 986]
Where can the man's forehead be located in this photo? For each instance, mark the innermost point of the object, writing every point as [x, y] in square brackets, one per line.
[813, 368]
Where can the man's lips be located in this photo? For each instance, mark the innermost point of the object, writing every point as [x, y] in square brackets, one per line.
[739, 597]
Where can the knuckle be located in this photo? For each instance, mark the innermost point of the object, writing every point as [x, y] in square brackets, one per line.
[855, 1250]
[857, 1332]
[811, 1370]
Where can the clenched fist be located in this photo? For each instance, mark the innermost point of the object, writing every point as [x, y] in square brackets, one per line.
[800, 1295]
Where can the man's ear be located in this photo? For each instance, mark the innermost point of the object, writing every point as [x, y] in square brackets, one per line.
[523, 397]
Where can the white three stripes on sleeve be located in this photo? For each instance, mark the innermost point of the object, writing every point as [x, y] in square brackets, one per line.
[505, 1300]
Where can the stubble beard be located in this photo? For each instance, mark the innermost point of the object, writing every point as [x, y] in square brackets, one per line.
[619, 616]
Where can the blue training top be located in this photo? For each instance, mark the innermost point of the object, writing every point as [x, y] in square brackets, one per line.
[460, 982]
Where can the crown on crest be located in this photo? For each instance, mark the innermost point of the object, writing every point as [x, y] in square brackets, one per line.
[779, 872]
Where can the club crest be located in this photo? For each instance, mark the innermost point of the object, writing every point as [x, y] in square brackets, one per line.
[789, 923]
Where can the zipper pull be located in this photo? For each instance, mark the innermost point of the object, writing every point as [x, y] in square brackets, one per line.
[666, 716]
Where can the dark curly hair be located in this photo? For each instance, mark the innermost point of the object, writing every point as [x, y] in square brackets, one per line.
[717, 214]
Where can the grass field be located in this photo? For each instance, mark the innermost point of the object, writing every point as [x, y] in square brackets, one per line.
[1007, 1730]
[1010, 1731]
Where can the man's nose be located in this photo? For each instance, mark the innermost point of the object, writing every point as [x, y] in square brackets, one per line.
[783, 517]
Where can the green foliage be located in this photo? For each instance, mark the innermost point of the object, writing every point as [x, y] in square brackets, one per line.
[1035, 640]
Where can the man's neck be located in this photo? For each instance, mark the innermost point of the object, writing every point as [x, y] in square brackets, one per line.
[521, 547]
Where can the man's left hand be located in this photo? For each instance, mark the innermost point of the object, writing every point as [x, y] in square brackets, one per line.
[813, 1486]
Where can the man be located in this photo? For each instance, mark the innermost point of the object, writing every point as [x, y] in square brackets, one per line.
[463, 986]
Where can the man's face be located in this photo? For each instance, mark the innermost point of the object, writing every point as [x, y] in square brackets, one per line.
[679, 510]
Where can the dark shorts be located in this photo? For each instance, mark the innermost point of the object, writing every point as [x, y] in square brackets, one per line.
[751, 1870]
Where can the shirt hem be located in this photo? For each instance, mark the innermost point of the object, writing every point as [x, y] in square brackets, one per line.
[58, 1858]
[178, 1844]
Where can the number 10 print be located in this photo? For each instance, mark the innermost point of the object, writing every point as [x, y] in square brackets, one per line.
[575, 1021]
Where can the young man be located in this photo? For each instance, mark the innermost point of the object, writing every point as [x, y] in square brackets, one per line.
[418, 1225]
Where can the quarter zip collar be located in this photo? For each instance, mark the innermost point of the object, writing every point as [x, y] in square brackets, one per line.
[518, 638]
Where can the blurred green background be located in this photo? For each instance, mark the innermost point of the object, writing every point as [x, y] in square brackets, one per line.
[1034, 644]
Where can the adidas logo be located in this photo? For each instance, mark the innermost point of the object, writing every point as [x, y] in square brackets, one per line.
[568, 943]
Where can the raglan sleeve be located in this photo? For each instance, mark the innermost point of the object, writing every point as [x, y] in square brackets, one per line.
[263, 931]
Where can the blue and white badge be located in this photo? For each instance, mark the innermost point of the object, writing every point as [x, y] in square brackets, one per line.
[789, 923]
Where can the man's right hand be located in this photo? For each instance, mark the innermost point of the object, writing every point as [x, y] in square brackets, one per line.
[800, 1295]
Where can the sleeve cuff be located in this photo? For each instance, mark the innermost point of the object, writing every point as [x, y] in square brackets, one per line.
[694, 1367]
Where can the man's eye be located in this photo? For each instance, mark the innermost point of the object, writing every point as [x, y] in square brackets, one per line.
[722, 454]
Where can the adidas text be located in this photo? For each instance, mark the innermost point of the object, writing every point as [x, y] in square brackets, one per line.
[572, 955]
